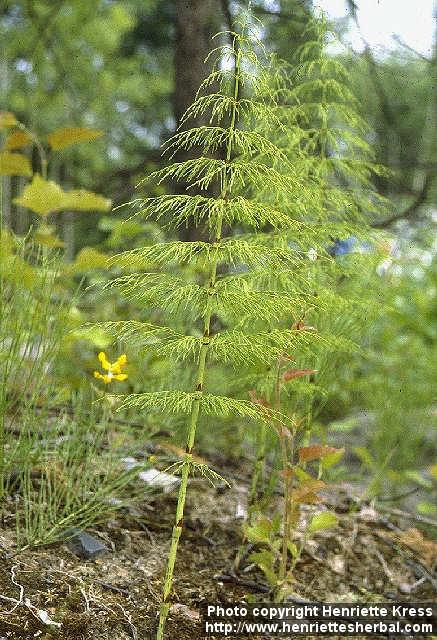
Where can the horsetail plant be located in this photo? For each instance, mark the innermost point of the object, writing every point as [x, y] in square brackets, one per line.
[233, 322]
[324, 138]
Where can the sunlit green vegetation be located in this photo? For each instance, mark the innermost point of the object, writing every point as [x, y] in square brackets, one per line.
[266, 293]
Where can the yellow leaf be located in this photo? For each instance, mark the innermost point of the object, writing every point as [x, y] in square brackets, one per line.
[45, 196]
[62, 138]
[17, 140]
[41, 196]
[7, 119]
[48, 240]
[88, 259]
[14, 164]
[82, 200]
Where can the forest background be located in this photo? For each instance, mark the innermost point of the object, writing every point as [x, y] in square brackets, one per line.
[122, 74]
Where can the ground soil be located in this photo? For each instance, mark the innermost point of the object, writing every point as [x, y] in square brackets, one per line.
[368, 558]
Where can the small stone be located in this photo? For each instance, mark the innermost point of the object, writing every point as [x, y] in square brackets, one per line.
[369, 514]
[240, 511]
[86, 546]
[130, 463]
[336, 563]
[404, 587]
[185, 611]
[152, 477]
[221, 487]
[159, 479]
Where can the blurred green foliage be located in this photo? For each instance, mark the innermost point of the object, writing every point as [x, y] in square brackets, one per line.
[108, 66]
[397, 382]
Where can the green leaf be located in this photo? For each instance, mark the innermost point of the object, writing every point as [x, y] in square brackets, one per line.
[365, 456]
[265, 560]
[260, 531]
[97, 337]
[62, 138]
[302, 475]
[418, 478]
[14, 164]
[41, 196]
[332, 459]
[292, 549]
[324, 520]
[343, 425]
[426, 508]
[82, 200]
[276, 522]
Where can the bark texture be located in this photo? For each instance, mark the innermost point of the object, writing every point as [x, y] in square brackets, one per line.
[196, 23]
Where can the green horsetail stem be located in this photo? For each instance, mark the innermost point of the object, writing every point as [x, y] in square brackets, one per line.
[192, 425]
[2, 385]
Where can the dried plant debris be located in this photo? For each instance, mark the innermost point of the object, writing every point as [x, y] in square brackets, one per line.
[426, 549]
[49, 589]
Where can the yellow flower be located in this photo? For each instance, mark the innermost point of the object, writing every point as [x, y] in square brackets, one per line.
[114, 369]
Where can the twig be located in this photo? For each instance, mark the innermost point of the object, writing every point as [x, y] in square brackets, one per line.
[39, 614]
[398, 497]
[85, 597]
[251, 584]
[111, 587]
[397, 38]
[283, 15]
[127, 616]
[20, 586]
[409, 516]
[92, 598]
[411, 210]
[79, 579]
[417, 566]
[385, 567]
[421, 571]
[16, 602]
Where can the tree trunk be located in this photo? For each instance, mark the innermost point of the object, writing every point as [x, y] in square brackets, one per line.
[196, 23]
[5, 203]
